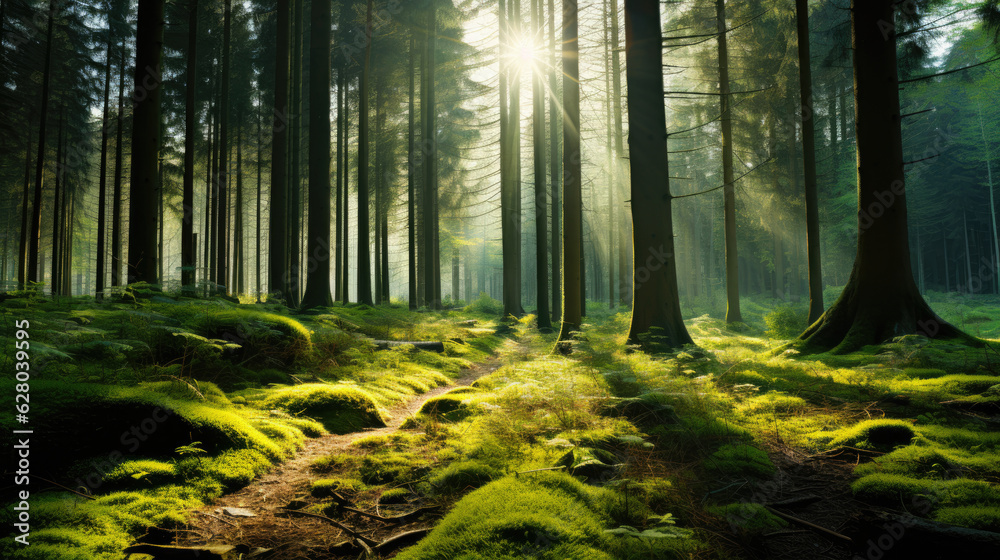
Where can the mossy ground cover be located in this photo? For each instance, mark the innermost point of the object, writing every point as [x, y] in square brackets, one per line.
[153, 406]
[647, 447]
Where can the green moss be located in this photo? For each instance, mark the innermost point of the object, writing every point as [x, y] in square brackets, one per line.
[139, 473]
[883, 434]
[395, 441]
[341, 409]
[394, 496]
[891, 488]
[976, 517]
[324, 488]
[447, 407]
[391, 468]
[748, 517]
[740, 460]
[772, 403]
[544, 515]
[463, 475]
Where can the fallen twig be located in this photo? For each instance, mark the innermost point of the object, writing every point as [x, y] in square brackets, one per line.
[805, 523]
[336, 523]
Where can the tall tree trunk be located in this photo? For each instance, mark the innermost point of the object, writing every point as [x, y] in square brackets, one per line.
[611, 158]
[880, 300]
[729, 191]
[190, 122]
[624, 285]
[809, 164]
[102, 189]
[572, 199]
[510, 197]
[55, 283]
[257, 245]
[36, 207]
[538, 144]
[317, 293]
[968, 254]
[116, 197]
[364, 225]
[432, 270]
[222, 251]
[277, 274]
[22, 250]
[338, 275]
[293, 204]
[238, 222]
[411, 250]
[143, 187]
[993, 208]
[379, 147]
[345, 265]
[554, 162]
[656, 301]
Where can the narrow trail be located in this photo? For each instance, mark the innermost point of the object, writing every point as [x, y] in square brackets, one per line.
[295, 537]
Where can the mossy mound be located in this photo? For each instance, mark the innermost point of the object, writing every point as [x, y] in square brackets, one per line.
[341, 409]
[543, 515]
[324, 488]
[451, 408]
[740, 460]
[976, 517]
[259, 334]
[391, 469]
[748, 517]
[891, 488]
[463, 475]
[882, 435]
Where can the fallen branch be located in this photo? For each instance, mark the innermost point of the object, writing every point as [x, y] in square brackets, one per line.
[334, 522]
[813, 526]
[401, 539]
[217, 517]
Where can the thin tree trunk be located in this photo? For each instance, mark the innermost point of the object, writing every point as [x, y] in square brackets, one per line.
[222, 252]
[611, 158]
[624, 283]
[22, 250]
[411, 250]
[294, 192]
[338, 277]
[116, 198]
[36, 207]
[257, 245]
[809, 164]
[572, 205]
[432, 270]
[345, 266]
[364, 225]
[554, 162]
[277, 274]
[317, 293]
[729, 191]
[190, 122]
[538, 144]
[993, 208]
[238, 225]
[55, 283]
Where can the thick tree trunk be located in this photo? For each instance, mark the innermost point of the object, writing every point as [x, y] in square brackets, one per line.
[541, 214]
[510, 195]
[22, 249]
[294, 189]
[190, 122]
[364, 198]
[43, 111]
[317, 293]
[572, 199]
[733, 314]
[809, 164]
[624, 285]
[656, 300]
[880, 300]
[143, 187]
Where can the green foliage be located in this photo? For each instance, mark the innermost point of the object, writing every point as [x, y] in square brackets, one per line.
[324, 488]
[740, 460]
[875, 434]
[485, 305]
[749, 517]
[786, 321]
[462, 476]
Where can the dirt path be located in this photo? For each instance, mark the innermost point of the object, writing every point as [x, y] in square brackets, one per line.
[293, 537]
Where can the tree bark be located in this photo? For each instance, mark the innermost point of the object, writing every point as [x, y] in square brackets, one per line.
[55, 283]
[190, 122]
[656, 299]
[541, 214]
[880, 300]
[143, 188]
[411, 250]
[432, 269]
[809, 164]
[554, 163]
[364, 224]
[116, 198]
[22, 250]
[733, 314]
[36, 207]
[222, 252]
[510, 195]
[572, 202]
[317, 293]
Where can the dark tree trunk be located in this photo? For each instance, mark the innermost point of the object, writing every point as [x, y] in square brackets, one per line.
[656, 300]
[190, 122]
[880, 300]
[22, 250]
[143, 188]
[102, 189]
[257, 245]
[294, 193]
[55, 283]
[432, 269]
[729, 191]
[277, 275]
[364, 224]
[572, 199]
[222, 250]
[116, 198]
[345, 265]
[510, 192]
[317, 293]
[624, 284]
[555, 168]
[809, 164]
[43, 111]
[541, 214]
[411, 250]
[338, 278]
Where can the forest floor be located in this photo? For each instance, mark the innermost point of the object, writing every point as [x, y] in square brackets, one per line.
[737, 447]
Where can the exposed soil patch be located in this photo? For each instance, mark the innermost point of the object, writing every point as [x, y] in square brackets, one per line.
[298, 536]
